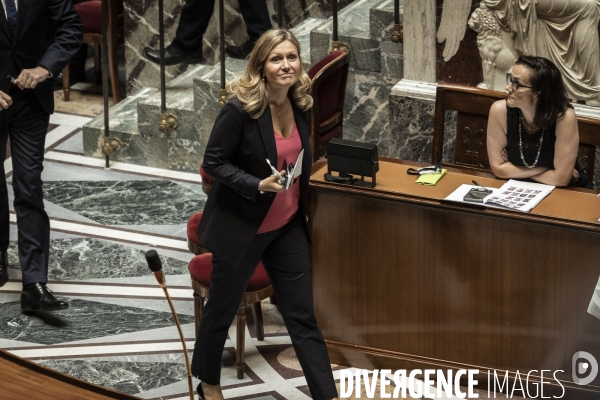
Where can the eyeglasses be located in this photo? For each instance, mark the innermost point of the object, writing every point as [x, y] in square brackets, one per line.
[515, 85]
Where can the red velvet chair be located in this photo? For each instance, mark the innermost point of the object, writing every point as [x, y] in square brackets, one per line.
[90, 12]
[259, 288]
[328, 89]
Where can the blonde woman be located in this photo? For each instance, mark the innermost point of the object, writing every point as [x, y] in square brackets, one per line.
[248, 216]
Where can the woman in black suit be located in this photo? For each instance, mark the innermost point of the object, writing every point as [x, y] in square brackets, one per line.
[248, 216]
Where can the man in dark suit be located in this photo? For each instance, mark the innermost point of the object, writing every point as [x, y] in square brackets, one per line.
[193, 21]
[37, 40]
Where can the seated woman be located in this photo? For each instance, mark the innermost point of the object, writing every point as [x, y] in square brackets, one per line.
[533, 133]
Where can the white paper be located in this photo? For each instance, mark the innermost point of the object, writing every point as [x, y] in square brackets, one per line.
[518, 195]
[295, 172]
[513, 195]
[594, 307]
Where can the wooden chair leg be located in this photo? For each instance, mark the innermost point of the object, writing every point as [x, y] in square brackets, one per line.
[66, 83]
[273, 299]
[198, 309]
[98, 64]
[113, 66]
[258, 321]
[240, 344]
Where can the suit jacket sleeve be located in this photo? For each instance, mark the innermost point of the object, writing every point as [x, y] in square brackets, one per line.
[68, 31]
[219, 158]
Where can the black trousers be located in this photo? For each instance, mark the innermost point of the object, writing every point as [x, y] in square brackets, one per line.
[195, 16]
[284, 254]
[26, 122]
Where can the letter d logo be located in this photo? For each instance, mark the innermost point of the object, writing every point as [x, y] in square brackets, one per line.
[580, 367]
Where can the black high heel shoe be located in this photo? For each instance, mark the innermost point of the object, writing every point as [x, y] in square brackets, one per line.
[200, 392]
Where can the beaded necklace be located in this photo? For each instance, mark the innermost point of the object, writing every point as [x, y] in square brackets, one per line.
[537, 157]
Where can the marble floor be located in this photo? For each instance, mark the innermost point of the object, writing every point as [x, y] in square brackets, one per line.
[118, 331]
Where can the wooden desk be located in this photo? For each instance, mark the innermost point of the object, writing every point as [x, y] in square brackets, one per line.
[22, 379]
[405, 280]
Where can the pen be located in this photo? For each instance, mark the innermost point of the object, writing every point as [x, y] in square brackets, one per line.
[275, 172]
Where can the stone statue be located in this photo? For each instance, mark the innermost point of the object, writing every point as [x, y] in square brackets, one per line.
[495, 48]
[564, 31]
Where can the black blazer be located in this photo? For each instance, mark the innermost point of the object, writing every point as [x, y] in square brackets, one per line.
[48, 34]
[236, 156]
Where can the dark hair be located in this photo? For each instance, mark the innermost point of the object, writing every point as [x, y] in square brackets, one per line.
[547, 83]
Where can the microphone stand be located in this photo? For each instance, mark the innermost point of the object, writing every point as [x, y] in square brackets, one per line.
[162, 282]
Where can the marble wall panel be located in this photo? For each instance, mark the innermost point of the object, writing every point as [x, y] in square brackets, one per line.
[382, 22]
[449, 137]
[189, 123]
[206, 98]
[135, 148]
[365, 54]
[392, 61]
[320, 45]
[141, 31]
[366, 110]
[185, 155]
[411, 122]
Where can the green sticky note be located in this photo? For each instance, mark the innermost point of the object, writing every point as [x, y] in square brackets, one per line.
[431, 179]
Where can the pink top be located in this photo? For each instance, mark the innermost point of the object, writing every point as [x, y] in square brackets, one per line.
[285, 205]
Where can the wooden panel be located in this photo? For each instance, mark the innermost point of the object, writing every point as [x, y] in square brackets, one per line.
[473, 107]
[471, 146]
[409, 282]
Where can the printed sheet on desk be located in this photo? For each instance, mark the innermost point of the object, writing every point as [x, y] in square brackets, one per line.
[513, 195]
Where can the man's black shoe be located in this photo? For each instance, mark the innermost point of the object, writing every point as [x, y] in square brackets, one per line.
[174, 55]
[240, 52]
[37, 297]
[3, 267]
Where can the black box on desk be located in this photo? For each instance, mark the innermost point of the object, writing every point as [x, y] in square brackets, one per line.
[349, 157]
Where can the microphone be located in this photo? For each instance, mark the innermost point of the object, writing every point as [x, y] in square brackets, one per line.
[155, 266]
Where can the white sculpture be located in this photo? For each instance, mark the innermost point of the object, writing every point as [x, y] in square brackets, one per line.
[564, 31]
[495, 48]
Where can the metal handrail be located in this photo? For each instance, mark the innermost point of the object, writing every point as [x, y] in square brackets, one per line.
[280, 14]
[105, 77]
[397, 34]
[335, 42]
[223, 91]
[166, 122]
[110, 144]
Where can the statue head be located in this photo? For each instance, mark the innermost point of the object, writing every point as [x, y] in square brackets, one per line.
[484, 22]
[475, 21]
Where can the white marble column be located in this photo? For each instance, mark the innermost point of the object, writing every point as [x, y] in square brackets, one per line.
[419, 40]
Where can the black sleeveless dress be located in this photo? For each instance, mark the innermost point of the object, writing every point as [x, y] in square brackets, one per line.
[531, 145]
